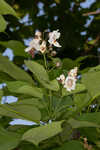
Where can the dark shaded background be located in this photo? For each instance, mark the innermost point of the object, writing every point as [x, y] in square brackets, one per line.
[67, 16]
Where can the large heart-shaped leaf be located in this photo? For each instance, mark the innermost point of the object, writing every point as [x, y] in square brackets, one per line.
[1, 94]
[17, 47]
[79, 124]
[32, 101]
[8, 140]
[36, 135]
[71, 145]
[13, 71]
[5, 8]
[92, 82]
[38, 70]
[91, 117]
[42, 76]
[3, 24]
[24, 88]
[27, 112]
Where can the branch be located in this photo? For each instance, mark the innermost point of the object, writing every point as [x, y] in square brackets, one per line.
[92, 13]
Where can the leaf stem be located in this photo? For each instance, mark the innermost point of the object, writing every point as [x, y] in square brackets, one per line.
[45, 61]
[50, 102]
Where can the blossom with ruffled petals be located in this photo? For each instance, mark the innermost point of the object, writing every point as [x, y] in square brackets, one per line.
[53, 36]
[43, 47]
[70, 83]
[61, 79]
[38, 35]
[34, 44]
[73, 72]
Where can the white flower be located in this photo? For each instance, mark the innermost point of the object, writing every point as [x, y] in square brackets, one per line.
[70, 83]
[53, 36]
[43, 47]
[61, 78]
[34, 44]
[73, 72]
[38, 35]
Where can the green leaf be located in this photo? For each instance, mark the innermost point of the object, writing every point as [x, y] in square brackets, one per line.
[92, 134]
[42, 76]
[13, 71]
[36, 135]
[24, 88]
[30, 101]
[3, 24]
[5, 8]
[93, 69]
[16, 46]
[52, 85]
[8, 140]
[57, 1]
[80, 59]
[79, 88]
[92, 42]
[92, 117]
[71, 145]
[27, 112]
[79, 124]
[82, 99]
[28, 146]
[68, 63]
[92, 82]
[1, 94]
[4, 77]
[38, 70]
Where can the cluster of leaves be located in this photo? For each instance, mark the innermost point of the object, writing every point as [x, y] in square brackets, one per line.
[62, 118]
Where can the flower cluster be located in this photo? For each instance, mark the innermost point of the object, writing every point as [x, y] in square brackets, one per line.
[70, 81]
[39, 44]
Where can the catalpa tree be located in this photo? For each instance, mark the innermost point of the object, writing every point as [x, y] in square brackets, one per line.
[49, 62]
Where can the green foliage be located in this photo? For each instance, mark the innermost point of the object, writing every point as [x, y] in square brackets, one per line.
[19, 111]
[82, 99]
[63, 118]
[12, 70]
[92, 81]
[8, 140]
[72, 145]
[36, 135]
[79, 124]
[3, 24]
[92, 117]
[24, 88]
[42, 76]
[16, 46]
[1, 94]
[6, 8]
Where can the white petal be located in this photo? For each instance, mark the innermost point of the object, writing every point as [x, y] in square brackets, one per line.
[53, 36]
[43, 47]
[56, 34]
[62, 77]
[38, 33]
[28, 49]
[67, 83]
[51, 41]
[58, 78]
[56, 44]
